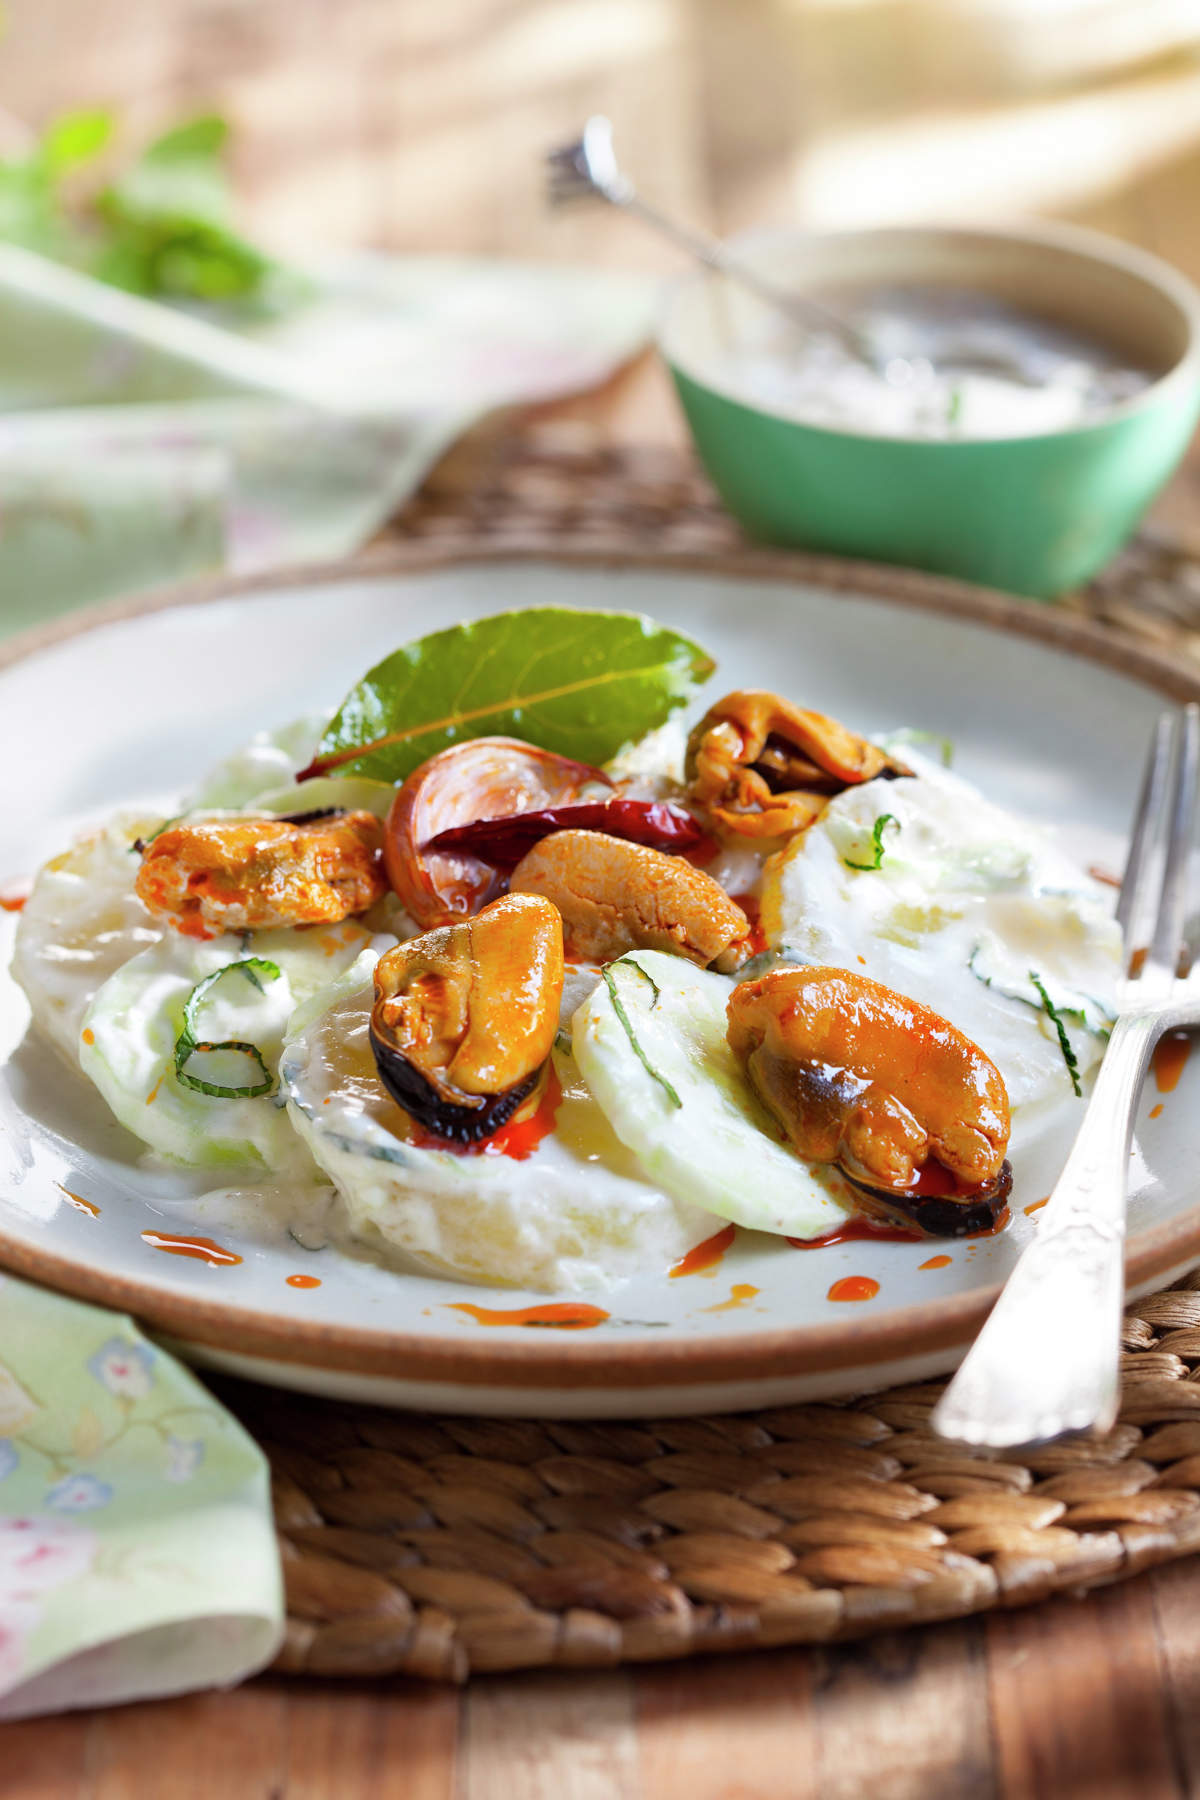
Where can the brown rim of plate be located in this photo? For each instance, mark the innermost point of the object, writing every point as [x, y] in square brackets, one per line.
[531, 1361]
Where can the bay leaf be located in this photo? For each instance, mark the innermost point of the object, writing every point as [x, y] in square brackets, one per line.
[581, 684]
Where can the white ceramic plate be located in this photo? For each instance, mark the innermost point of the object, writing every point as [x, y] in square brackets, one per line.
[132, 705]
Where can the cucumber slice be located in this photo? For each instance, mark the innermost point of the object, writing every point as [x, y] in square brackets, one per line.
[81, 922]
[356, 793]
[268, 761]
[127, 1044]
[674, 1092]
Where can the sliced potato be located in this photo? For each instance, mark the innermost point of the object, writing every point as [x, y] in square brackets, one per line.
[577, 1214]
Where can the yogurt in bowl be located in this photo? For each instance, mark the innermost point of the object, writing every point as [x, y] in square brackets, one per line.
[1028, 393]
[947, 363]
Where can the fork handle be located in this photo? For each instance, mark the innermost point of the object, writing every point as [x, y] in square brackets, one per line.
[1048, 1358]
[802, 309]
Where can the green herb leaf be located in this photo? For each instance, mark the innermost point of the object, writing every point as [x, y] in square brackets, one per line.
[876, 844]
[167, 223]
[160, 227]
[75, 138]
[1064, 1042]
[623, 1016]
[578, 683]
[187, 1044]
[205, 136]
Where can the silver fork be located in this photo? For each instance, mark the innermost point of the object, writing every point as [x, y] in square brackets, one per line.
[588, 167]
[1047, 1361]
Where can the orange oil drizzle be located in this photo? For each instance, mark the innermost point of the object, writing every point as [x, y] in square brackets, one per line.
[89, 1036]
[1170, 1059]
[1036, 1205]
[202, 1248]
[1156, 1111]
[304, 1281]
[78, 1201]
[705, 1255]
[518, 1139]
[14, 894]
[936, 1262]
[569, 1315]
[854, 1287]
[738, 1296]
[521, 1137]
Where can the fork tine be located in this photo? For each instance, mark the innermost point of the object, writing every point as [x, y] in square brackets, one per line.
[1131, 901]
[1163, 960]
[567, 174]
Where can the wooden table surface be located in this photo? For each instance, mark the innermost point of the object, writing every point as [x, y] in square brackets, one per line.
[399, 123]
[1072, 1700]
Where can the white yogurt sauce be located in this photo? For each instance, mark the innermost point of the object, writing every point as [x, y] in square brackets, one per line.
[928, 378]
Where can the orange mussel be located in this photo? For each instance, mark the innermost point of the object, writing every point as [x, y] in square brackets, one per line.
[757, 766]
[207, 876]
[913, 1112]
[465, 1016]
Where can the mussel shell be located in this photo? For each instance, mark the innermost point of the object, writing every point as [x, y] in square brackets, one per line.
[935, 1214]
[312, 817]
[459, 1124]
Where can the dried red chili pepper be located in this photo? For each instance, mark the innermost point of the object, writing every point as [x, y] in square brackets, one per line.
[660, 824]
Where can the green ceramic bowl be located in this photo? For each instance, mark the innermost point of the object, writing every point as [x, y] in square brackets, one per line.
[1035, 515]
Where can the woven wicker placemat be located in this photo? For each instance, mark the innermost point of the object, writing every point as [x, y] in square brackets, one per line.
[441, 1547]
[563, 480]
[448, 1546]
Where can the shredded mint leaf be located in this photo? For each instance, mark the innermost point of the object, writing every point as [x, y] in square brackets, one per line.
[1064, 1042]
[1100, 1026]
[188, 1044]
[578, 683]
[627, 962]
[623, 1016]
[876, 844]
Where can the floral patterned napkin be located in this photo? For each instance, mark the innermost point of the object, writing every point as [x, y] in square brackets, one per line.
[137, 1554]
[140, 444]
